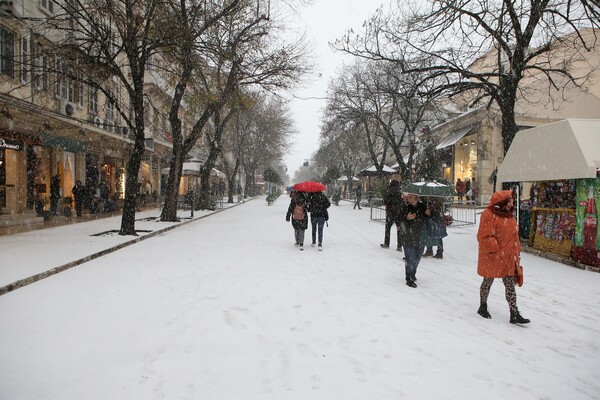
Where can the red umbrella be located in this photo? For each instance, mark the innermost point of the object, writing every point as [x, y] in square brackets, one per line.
[309, 186]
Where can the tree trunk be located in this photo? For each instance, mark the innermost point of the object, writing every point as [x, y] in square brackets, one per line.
[169, 211]
[131, 186]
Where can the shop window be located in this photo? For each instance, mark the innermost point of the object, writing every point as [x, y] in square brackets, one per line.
[7, 52]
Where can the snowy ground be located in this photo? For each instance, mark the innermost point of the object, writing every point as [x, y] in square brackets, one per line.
[227, 308]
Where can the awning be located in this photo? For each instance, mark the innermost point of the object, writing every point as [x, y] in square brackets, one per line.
[372, 171]
[455, 137]
[568, 149]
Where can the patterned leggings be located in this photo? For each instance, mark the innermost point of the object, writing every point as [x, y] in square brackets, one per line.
[509, 289]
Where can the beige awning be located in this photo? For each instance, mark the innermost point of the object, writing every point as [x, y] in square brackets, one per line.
[568, 149]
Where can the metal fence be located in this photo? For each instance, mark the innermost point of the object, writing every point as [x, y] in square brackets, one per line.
[377, 209]
[463, 214]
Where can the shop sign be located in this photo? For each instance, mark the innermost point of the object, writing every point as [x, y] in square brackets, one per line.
[7, 144]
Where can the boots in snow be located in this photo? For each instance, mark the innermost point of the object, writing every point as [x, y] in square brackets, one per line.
[439, 255]
[516, 318]
[428, 253]
[483, 311]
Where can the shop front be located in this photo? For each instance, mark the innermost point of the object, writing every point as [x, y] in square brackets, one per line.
[560, 163]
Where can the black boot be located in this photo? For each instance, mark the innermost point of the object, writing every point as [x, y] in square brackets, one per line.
[516, 318]
[483, 311]
[439, 254]
[428, 253]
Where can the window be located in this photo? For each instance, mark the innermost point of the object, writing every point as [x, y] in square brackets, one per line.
[110, 105]
[25, 59]
[39, 70]
[7, 52]
[93, 101]
[47, 6]
[65, 83]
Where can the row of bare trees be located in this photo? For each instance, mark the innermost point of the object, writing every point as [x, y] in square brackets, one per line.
[413, 59]
[218, 58]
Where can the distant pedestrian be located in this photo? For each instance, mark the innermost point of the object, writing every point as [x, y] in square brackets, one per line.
[318, 204]
[499, 252]
[412, 223]
[460, 190]
[79, 193]
[393, 202]
[358, 197]
[299, 217]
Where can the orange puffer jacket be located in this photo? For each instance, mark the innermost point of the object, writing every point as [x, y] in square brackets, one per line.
[498, 237]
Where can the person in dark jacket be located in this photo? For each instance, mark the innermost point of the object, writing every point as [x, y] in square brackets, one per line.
[298, 216]
[79, 193]
[358, 198]
[318, 204]
[435, 230]
[412, 223]
[393, 202]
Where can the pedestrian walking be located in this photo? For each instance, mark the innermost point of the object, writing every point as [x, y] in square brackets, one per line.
[318, 204]
[435, 229]
[393, 203]
[298, 215]
[460, 190]
[412, 223]
[358, 197]
[79, 193]
[499, 252]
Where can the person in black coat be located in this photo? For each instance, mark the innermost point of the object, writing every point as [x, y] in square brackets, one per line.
[79, 195]
[298, 215]
[412, 223]
[393, 202]
[318, 204]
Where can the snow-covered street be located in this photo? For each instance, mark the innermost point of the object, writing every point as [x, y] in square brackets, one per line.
[227, 308]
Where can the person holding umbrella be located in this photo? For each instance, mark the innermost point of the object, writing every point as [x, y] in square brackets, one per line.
[318, 204]
[297, 214]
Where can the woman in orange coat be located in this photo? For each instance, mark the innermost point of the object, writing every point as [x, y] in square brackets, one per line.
[499, 252]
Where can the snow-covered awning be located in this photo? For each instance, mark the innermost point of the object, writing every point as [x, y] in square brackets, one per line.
[454, 137]
[568, 149]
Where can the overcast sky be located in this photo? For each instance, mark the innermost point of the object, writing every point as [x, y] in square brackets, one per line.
[324, 21]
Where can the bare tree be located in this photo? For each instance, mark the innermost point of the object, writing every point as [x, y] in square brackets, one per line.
[107, 45]
[268, 128]
[238, 50]
[354, 97]
[343, 145]
[488, 48]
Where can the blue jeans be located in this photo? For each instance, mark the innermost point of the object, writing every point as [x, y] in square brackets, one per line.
[317, 222]
[413, 257]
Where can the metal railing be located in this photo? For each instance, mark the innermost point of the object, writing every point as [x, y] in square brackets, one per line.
[462, 214]
[377, 209]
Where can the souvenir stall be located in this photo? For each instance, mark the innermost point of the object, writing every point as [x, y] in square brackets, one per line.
[552, 217]
[560, 160]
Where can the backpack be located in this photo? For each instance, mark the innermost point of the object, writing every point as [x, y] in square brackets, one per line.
[298, 212]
